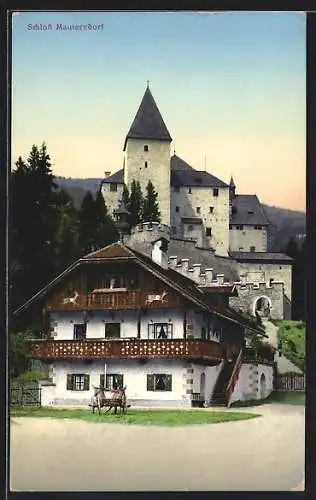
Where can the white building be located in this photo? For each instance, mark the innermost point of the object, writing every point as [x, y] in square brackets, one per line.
[117, 317]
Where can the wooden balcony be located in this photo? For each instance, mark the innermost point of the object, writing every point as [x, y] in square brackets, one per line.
[205, 350]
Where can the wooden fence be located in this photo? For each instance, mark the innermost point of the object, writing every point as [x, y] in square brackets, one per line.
[25, 396]
[290, 382]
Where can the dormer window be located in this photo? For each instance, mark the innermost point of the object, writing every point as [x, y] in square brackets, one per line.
[113, 188]
[146, 148]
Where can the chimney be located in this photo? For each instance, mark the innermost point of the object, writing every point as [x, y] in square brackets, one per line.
[159, 252]
[208, 275]
[107, 174]
[185, 265]
[196, 272]
[173, 260]
[220, 279]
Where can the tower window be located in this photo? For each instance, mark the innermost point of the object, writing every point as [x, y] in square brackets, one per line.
[113, 187]
[198, 210]
[208, 232]
[240, 228]
[190, 191]
[215, 192]
[211, 210]
[230, 226]
[146, 164]
[252, 249]
[177, 209]
[145, 148]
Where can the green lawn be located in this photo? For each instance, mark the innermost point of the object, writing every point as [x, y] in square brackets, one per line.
[291, 398]
[143, 417]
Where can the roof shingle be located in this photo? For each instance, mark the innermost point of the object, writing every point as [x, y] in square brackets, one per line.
[247, 210]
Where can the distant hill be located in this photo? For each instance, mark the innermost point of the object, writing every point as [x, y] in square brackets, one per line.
[285, 223]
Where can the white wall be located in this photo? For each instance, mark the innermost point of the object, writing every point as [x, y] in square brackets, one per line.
[242, 240]
[65, 321]
[248, 383]
[211, 375]
[203, 197]
[111, 198]
[135, 378]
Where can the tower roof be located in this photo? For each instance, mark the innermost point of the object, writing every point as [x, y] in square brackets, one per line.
[148, 122]
[232, 184]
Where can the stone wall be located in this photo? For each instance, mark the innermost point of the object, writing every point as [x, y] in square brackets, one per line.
[111, 198]
[249, 293]
[243, 240]
[153, 165]
[277, 271]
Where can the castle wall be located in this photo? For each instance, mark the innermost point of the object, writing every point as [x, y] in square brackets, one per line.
[214, 212]
[243, 240]
[249, 293]
[157, 170]
[111, 198]
[265, 272]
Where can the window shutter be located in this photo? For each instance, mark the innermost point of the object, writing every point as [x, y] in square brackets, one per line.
[86, 385]
[120, 381]
[69, 382]
[102, 379]
[168, 382]
[150, 382]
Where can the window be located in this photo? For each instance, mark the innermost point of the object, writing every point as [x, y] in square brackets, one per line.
[258, 227]
[190, 191]
[80, 331]
[77, 382]
[208, 232]
[106, 282]
[159, 382]
[252, 249]
[230, 226]
[190, 228]
[176, 189]
[215, 192]
[211, 210]
[160, 331]
[198, 210]
[113, 381]
[113, 187]
[112, 330]
[146, 164]
[146, 148]
[177, 209]
[240, 228]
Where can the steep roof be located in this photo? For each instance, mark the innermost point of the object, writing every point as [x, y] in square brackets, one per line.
[148, 122]
[247, 210]
[117, 178]
[182, 174]
[181, 284]
[261, 257]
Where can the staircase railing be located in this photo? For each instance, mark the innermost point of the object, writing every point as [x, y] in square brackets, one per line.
[233, 378]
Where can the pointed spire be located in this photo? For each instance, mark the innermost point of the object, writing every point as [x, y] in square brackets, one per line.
[232, 184]
[148, 122]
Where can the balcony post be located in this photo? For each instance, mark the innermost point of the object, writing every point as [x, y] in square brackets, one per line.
[185, 324]
[139, 322]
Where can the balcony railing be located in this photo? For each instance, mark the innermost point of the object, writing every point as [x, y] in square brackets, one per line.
[127, 349]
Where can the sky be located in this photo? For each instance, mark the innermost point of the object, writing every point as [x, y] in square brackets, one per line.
[230, 87]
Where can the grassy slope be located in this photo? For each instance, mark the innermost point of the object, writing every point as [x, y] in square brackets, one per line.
[292, 398]
[144, 417]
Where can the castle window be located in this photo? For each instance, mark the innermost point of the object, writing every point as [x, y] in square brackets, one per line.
[240, 228]
[198, 210]
[113, 188]
[176, 189]
[208, 232]
[145, 148]
[146, 164]
[211, 210]
[230, 226]
[177, 209]
[258, 227]
[190, 191]
[215, 192]
[252, 249]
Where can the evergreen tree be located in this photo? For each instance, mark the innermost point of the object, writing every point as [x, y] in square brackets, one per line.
[87, 224]
[150, 205]
[106, 232]
[135, 204]
[126, 197]
[67, 238]
[33, 225]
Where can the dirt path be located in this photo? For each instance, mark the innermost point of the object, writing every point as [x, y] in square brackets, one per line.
[262, 454]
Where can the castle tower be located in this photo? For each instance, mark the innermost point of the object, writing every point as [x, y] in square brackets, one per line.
[147, 153]
[232, 188]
